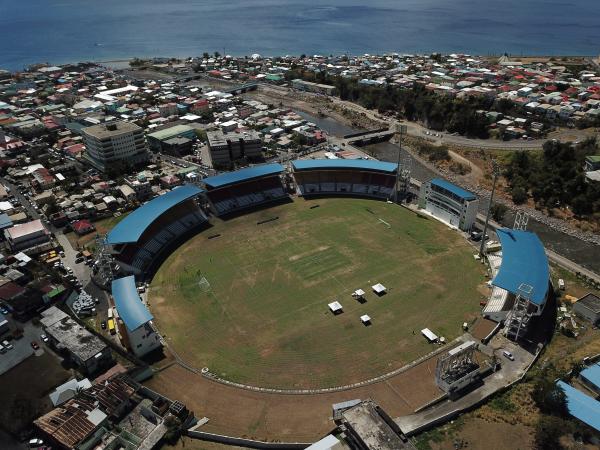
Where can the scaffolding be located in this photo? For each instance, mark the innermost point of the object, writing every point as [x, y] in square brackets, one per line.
[521, 221]
[519, 316]
[404, 173]
[458, 368]
[103, 265]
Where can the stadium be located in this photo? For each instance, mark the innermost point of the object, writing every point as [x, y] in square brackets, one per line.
[267, 277]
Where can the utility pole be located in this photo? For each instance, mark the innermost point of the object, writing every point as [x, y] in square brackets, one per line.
[495, 172]
[401, 132]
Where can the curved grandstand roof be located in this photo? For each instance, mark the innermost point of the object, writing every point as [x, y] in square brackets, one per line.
[332, 164]
[131, 228]
[523, 261]
[129, 304]
[246, 174]
[456, 190]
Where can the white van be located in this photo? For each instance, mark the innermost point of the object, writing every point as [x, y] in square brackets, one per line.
[508, 355]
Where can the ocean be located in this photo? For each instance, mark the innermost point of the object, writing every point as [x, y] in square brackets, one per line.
[59, 31]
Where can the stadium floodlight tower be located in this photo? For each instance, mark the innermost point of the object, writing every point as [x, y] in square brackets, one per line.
[518, 317]
[458, 368]
[496, 173]
[403, 168]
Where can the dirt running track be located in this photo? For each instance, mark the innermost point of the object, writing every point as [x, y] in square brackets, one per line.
[276, 417]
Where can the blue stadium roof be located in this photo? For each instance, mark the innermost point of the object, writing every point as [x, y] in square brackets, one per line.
[129, 304]
[581, 406]
[592, 374]
[131, 228]
[242, 175]
[360, 164]
[523, 261]
[456, 190]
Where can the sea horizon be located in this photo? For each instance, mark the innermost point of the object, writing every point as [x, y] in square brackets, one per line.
[38, 31]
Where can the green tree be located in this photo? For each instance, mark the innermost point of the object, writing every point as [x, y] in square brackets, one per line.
[498, 210]
[548, 431]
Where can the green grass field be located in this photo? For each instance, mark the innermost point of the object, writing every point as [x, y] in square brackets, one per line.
[251, 304]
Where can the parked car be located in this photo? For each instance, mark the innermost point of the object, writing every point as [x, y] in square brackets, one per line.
[44, 338]
[3, 310]
[103, 324]
[35, 442]
[35, 345]
[508, 355]
[7, 344]
[79, 260]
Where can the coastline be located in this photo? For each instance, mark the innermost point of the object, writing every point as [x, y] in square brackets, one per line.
[119, 60]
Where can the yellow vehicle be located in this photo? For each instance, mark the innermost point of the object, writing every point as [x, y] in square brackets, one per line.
[111, 326]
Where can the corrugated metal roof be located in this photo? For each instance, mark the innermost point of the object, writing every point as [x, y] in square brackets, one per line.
[242, 175]
[592, 374]
[352, 164]
[131, 228]
[581, 406]
[523, 261]
[456, 190]
[129, 304]
[170, 132]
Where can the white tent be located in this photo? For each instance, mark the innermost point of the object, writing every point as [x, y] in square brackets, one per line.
[335, 307]
[430, 335]
[358, 293]
[365, 319]
[378, 288]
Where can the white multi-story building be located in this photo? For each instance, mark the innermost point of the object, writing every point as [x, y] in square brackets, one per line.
[115, 144]
[135, 321]
[449, 203]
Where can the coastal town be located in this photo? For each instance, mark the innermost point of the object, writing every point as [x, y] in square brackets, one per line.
[86, 146]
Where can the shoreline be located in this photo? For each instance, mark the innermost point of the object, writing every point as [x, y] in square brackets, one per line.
[127, 59]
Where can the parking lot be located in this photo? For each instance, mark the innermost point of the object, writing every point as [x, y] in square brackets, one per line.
[21, 348]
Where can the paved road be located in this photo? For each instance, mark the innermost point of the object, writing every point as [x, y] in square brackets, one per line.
[509, 372]
[416, 130]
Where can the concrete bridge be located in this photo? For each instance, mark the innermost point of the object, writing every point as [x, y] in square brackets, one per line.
[367, 137]
[241, 88]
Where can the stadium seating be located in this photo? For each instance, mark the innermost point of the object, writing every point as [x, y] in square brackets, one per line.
[345, 182]
[162, 233]
[246, 195]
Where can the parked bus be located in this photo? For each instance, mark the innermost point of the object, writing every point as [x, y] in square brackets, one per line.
[111, 326]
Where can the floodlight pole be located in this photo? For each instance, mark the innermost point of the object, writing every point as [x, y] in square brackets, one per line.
[401, 132]
[496, 172]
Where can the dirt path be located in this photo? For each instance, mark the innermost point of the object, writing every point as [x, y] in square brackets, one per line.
[301, 418]
[476, 174]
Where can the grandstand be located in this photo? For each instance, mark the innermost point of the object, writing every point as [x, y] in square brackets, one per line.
[520, 279]
[139, 239]
[246, 188]
[358, 177]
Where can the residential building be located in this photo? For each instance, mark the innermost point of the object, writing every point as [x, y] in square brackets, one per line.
[87, 351]
[316, 88]
[27, 235]
[225, 148]
[115, 144]
[592, 163]
[157, 139]
[588, 308]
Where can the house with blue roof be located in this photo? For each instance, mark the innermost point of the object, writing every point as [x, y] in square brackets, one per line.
[449, 203]
[135, 320]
